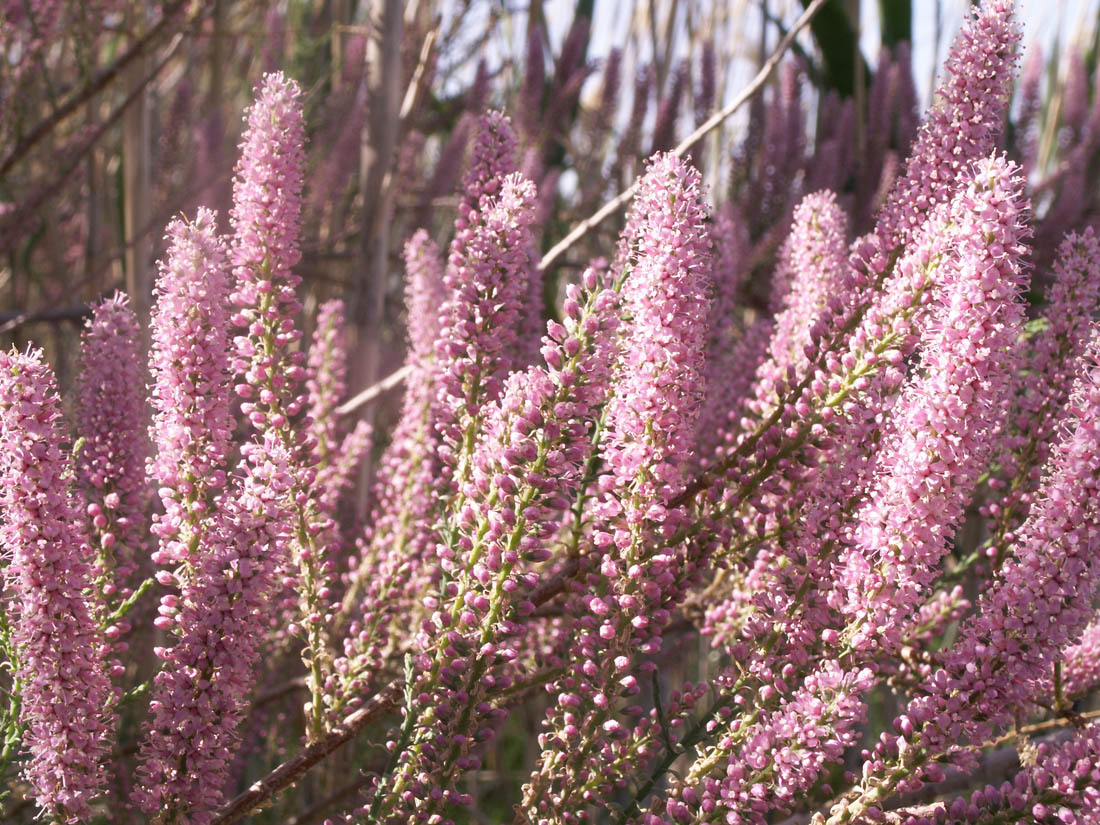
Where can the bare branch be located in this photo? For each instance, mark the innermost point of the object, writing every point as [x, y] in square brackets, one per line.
[373, 391]
[12, 320]
[97, 84]
[296, 767]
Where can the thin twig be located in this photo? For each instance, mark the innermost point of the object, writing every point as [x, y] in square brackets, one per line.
[373, 391]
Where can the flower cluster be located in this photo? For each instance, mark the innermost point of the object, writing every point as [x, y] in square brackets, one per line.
[190, 393]
[649, 420]
[111, 417]
[65, 689]
[724, 518]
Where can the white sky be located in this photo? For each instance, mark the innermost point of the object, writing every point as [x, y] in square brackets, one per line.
[1045, 21]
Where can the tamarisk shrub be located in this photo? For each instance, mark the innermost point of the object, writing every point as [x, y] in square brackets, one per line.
[764, 524]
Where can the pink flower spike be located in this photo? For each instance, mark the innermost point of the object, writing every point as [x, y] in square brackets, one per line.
[937, 440]
[962, 126]
[189, 368]
[111, 419]
[66, 694]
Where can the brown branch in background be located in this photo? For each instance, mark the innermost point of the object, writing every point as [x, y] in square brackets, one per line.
[136, 183]
[279, 692]
[14, 320]
[98, 83]
[297, 766]
[620, 200]
[33, 202]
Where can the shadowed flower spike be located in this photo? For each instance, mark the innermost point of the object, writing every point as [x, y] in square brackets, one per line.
[1081, 662]
[1030, 95]
[424, 296]
[397, 552]
[1043, 386]
[111, 419]
[65, 691]
[1075, 94]
[327, 383]
[736, 341]
[336, 454]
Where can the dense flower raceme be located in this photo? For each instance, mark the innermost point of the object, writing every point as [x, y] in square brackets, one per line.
[327, 384]
[266, 221]
[775, 628]
[111, 417]
[524, 472]
[65, 690]
[960, 130]
[666, 566]
[217, 623]
[1042, 598]
[487, 271]
[962, 125]
[1062, 787]
[937, 440]
[190, 392]
[649, 420]
[811, 268]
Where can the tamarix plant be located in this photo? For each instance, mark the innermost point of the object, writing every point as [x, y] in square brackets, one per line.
[755, 524]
